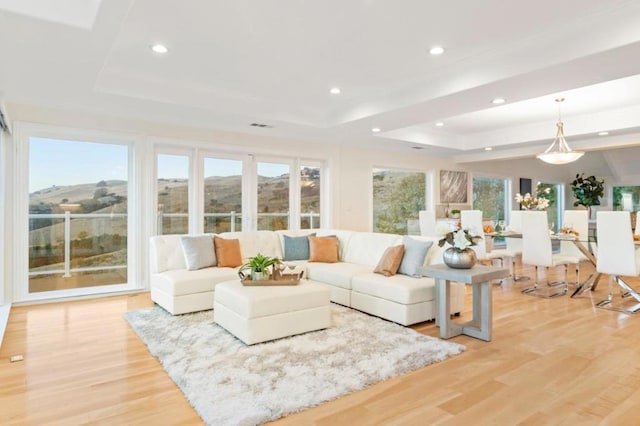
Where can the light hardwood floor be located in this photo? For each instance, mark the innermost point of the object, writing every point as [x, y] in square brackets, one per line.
[557, 361]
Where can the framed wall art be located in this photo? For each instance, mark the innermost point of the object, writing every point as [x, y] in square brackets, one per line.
[454, 187]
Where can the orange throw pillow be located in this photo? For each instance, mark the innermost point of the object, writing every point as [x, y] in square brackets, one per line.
[390, 261]
[323, 249]
[227, 252]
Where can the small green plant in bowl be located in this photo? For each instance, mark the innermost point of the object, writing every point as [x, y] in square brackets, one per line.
[259, 267]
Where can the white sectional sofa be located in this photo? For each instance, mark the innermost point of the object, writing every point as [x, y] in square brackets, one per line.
[400, 298]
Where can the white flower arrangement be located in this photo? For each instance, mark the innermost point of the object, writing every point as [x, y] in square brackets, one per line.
[530, 202]
[459, 239]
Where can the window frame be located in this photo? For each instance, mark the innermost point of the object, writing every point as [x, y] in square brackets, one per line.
[191, 196]
[428, 187]
[23, 132]
[508, 192]
[245, 198]
[610, 193]
[560, 188]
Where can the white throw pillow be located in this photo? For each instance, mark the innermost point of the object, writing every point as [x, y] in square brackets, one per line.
[198, 251]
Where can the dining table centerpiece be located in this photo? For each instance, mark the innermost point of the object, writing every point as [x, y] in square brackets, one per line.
[460, 255]
[529, 202]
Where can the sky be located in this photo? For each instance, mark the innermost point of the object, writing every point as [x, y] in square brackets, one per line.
[59, 162]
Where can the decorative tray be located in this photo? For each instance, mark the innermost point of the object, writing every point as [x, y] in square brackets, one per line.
[285, 279]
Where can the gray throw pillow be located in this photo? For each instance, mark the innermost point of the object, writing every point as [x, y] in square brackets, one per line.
[414, 254]
[199, 251]
[296, 248]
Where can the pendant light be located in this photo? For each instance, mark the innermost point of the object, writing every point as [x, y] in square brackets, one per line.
[559, 152]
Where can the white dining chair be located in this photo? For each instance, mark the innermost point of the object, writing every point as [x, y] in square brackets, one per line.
[472, 220]
[427, 222]
[513, 248]
[617, 256]
[537, 251]
[579, 221]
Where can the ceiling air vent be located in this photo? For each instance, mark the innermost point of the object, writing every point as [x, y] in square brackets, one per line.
[262, 125]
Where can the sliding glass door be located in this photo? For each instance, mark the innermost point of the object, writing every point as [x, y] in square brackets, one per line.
[78, 194]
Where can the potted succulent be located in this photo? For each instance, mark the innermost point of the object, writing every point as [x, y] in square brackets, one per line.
[587, 191]
[455, 213]
[259, 267]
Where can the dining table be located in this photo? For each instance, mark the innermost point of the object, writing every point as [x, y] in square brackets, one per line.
[583, 244]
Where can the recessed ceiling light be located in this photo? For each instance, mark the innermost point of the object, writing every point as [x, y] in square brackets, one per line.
[439, 124]
[159, 48]
[335, 91]
[498, 101]
[488, 148]
[436, 50]
[376, 130]
[603, 133]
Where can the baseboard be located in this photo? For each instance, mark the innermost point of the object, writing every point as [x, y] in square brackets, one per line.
[4, 319]
[83, 297]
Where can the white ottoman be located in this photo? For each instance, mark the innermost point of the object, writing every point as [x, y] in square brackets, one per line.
[258, 314]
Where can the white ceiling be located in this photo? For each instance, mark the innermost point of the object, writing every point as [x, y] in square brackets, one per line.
[232, 63]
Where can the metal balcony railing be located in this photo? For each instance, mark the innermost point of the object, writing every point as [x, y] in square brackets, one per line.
[67, 216]
[233, 216]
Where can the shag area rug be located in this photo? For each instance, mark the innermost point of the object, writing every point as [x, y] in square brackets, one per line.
[228, 382]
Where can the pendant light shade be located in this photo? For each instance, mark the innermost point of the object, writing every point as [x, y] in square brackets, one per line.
[559, 151]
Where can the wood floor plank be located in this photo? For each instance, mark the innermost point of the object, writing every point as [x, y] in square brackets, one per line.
[556, 361]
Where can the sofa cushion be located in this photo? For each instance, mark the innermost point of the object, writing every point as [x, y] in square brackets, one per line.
[254, 242]
[390, 261]
[227, 252]
[399, 288]
[323, 249]
[296, 248]
[415, 253]
[179, 282]
[366, 248]
[336, 274]
[198, 251]
[165, 253]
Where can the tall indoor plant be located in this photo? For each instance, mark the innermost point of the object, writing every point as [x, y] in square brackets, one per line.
[587, 190]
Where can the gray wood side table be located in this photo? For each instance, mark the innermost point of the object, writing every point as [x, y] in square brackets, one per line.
[479, 277]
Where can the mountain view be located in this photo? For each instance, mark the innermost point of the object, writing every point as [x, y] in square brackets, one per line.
[100, 240]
